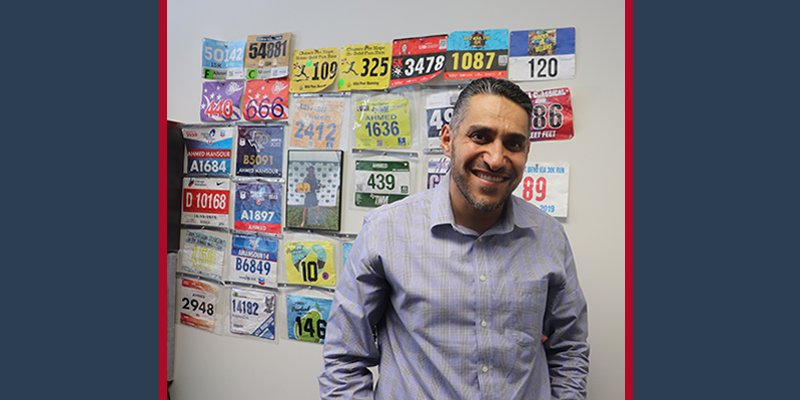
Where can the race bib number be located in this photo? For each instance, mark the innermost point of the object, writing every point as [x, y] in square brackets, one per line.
[364, 67]
[477, 54]
[204, 252]
[381, 182]
[258, 207]
[551, 118]
[437, 170]
[313, 188]
[542, 54]
[254, 260]
[259, 151]
[208, 150]
[221, 101]
[382, 124]
[317, 122]
[439, 111]
[417, 60]
[223, 60]
[197, 304]
[266, 100]
[253, 313]
[267, 56]
[546, 185]
[310, 263]
[307, 318]
[313, 70]
[206, 202]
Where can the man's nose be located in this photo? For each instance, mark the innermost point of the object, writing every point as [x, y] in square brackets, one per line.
[495, 155]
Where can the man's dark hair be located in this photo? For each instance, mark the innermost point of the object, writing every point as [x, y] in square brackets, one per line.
[499, 87]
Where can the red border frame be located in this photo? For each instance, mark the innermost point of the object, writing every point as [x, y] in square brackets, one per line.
[628, 199]
[162, 200]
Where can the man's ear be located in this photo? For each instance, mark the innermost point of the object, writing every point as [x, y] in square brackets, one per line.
[447, 139]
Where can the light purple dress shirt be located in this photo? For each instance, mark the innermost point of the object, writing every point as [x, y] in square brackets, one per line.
[458, 315]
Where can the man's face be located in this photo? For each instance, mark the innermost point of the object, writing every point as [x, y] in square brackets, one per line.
[487, 153]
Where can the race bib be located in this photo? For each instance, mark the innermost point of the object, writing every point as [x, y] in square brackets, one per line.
[254, 260]
[317, 122]
[382, 124]
[313, 70]
[346, 246]
[417, 60]
[310, 263]
[259, 151]
[313, 188]
[208, 150]
[477, 54]
[252, 313]
[307, 318]
[267, 56]
[203, 252]
[546, 185]
[258, 207]
[439, 110]
[206, 202]
[266, 100]
[542, 54]
[381, 182]
[437, 170]
[223, 60]
[197, 304]
[551, 118]
[221, 101]
[364, 67]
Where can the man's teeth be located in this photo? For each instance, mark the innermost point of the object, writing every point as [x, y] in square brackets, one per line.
[490, 178]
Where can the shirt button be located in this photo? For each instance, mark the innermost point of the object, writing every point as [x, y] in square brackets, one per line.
[485, 369]
[482, 278]
[483, 324]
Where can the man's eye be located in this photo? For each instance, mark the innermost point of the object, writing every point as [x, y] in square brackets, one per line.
[478, 137]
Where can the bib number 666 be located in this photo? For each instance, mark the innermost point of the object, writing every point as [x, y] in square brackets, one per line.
[264, 109]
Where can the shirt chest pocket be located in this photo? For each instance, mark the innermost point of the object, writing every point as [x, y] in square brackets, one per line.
[527, 310]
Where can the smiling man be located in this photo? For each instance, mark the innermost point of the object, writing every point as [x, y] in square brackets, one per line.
[463, 291]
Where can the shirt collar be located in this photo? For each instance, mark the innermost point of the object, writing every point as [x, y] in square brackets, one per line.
[442, 211]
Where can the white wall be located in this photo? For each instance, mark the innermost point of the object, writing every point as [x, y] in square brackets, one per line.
[208, 366]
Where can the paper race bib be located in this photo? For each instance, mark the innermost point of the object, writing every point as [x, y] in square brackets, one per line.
[197, 304]
[317, 122]
[313, 70]
[380, 182]
[364, 67]
[204, 252]
[254, 260]
[252, 313]
[259, 151]
[477, 54]
[267, 56]
[310, 263]
[437, 170]
[266, 100]
[208, 150]
[307, 318]
[438, 111]
[546, 185]
[258, 207]
[220, 102]
[382, 123]
[206, 202]
[223, 59]
[551, 118]
[542, 54]
[417, 60]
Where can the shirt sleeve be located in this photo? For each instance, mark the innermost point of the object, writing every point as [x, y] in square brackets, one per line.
[359, 303]
[566, 327]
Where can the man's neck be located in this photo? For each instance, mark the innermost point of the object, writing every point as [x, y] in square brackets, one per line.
[466, 215]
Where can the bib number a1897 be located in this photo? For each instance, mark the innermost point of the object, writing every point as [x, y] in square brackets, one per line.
[258, 207]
